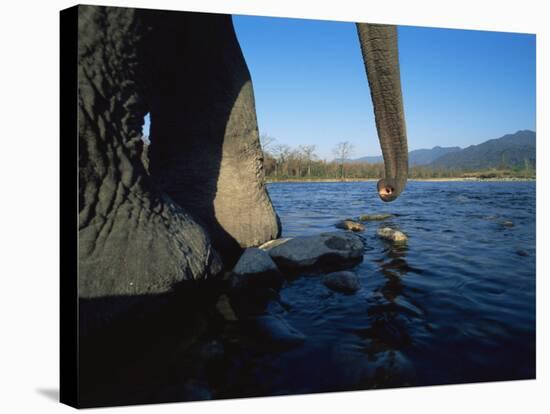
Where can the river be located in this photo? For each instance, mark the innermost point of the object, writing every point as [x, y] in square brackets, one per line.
[455, 304]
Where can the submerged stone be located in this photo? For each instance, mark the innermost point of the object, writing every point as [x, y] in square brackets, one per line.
[374, 217]
[343, 282]
[350, 225]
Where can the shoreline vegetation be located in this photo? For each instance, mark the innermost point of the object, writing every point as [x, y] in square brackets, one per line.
[285, 164]
[320, 171]
[373, 172]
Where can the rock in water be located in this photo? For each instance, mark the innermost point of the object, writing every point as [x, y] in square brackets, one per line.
[350, 225]
[393, 235]
[374, 217]
[256, 269]
[327, 251]
[343, 282]
[254, 283]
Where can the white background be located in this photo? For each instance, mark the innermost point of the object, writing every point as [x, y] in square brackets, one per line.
[29, 206]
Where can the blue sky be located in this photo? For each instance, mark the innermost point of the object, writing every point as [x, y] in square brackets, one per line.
[460, 87]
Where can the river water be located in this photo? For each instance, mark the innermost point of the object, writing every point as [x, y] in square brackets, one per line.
[455, 304]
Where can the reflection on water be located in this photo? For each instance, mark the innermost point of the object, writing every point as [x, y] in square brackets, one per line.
[388, 332]
[455, 304]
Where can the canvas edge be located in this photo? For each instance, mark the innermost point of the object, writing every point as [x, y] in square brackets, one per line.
[68, 167]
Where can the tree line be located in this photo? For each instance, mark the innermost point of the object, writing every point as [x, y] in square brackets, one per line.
[282, 162]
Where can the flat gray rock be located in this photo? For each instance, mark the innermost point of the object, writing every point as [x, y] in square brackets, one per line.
[256, 269]
[254, 260]
[327, 251]
[343, 282]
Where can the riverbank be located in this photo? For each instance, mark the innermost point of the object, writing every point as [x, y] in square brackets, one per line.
[351, 180]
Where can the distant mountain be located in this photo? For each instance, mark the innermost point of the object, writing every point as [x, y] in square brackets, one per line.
[416, 157]
[426, 156]
[511, 150]
[367, 160]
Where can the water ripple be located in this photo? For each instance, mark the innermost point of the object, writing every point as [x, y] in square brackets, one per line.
[456, 304]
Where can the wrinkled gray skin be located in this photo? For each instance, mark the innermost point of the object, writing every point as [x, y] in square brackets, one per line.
[134, 240]
[204, 200]
[380, 54]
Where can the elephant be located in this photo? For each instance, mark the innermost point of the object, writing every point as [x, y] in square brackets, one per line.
[203, 198]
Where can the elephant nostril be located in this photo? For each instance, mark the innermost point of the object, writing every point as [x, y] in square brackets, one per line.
[386, 190]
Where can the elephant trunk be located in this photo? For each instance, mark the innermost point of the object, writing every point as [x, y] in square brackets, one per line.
[379, 49]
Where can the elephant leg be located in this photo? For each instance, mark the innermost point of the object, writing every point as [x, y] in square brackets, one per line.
[134, 241]
[205, 150]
